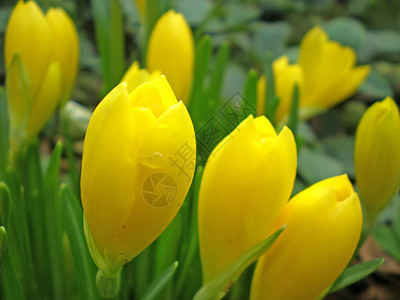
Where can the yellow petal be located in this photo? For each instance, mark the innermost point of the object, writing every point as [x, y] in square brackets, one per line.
[45, 102]
[246, 183]
[65, 48]
[136, 76]
[109, 167]
[323, 228]
[171, 50]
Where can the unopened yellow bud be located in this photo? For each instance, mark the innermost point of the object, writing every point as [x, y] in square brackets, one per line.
[138, 163]
[323, 225]
[171, 50]
[377, 157]
[41, 57]
[246, 183]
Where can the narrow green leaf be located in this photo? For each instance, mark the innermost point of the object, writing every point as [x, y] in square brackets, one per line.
[191, 242]
[387, 240]
[354, 273]
[4, 203]
[160, 282]
[3, 243]
[250, 92]
[53, 224]
[4, 127]
[84, 268]
[294, 110]
[202, 59]
[110, 40]
[271, 99]
[218, 72]
[9, 280]
[217, 288]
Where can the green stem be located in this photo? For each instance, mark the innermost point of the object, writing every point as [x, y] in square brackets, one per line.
[108, 287]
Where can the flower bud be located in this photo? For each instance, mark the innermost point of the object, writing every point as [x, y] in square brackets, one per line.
[377, 157]
[323, 225]
[329, 73]
[246, 183]
[138, 163]
[41, 55]
[171, 50]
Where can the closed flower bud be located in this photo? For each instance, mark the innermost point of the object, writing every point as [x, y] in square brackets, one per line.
[41, 55]
[377, 157]
[246, 183]
[171, 50]
[135, 76]
[285, 76]
[323, 228]
[329, 72]
[138, 163]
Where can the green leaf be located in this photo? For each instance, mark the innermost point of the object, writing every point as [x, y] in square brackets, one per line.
[294, 110]
[217, 288]
[192, 238]
[84, 268]
[218, 72]
[271, 99]
[110, 40]
[4, 127]
[354, 273]
[196, 99]
[9, 280]
[4, 203]
[3, 243]
[53, 222]
[250, 92]
[314, 166]
[160, 282]
[387, 240]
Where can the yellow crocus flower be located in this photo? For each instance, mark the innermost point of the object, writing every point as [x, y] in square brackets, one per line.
[246, 183]
[323, 225]
[329, 72]
[41, 57]
[138, 163]
[171, 50]
[377, 157]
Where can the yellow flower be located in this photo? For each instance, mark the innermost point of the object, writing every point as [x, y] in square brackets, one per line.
[286, 76]
[41, 54]
[171, 50]
[136, 76]
[138, 162]
[325, 73]
[329, 73]
[246, 183]
[323, 228]
[377, 157]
